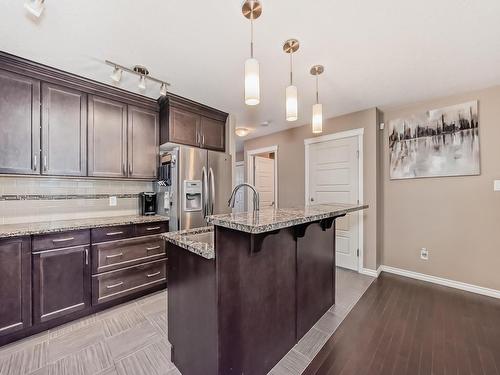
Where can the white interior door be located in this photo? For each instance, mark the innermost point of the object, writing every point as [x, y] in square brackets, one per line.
[333, 178]
[264, 180]
[239, 178]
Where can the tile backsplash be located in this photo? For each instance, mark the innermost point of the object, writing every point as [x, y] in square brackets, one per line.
[27, 199]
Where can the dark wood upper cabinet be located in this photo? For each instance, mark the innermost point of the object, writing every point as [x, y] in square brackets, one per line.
[107, 138]
[143, 142]
[64, 131]
[19, 124]
[15, 285]
[184, 127]
[61, 282]
[213, 134]
[186, 122]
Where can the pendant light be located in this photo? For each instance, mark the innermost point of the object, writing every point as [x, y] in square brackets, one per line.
[291, 46]
[317, 116]
[252, 9]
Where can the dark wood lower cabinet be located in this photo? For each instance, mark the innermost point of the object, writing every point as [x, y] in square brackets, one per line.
[15, 285]
[61, 282]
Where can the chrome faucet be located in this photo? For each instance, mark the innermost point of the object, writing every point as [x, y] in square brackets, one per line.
[256, 201]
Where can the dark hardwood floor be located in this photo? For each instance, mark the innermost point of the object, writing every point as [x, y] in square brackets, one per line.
[404, 326]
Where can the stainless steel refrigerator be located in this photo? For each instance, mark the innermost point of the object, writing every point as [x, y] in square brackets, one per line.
[200, 185]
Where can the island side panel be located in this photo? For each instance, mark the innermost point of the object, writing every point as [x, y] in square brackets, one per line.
[315, 275]
[192, 312]
[257, 300]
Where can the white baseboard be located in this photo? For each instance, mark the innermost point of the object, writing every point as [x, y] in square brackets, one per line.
[439, 280]
[370, 272]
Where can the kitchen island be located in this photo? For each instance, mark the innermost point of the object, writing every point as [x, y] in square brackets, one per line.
[243, 292]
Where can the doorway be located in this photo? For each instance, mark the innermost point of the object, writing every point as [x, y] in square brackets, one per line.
[262, 172]
[334, 174]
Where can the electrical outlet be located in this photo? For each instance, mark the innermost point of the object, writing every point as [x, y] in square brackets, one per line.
[112, 201]
[424, 254]
[496, 185]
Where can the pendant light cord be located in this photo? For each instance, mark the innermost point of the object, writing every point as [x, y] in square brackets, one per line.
[317, 90]
[251, 38]
[291, 69]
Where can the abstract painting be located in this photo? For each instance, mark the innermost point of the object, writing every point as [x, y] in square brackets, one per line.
[439, 142]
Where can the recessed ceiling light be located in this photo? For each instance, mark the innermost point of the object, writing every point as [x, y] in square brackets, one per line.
[242, 132]
[35, 7]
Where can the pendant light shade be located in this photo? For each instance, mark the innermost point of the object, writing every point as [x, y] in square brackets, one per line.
[252, 82]
[252, 9]
[317, 118]
[292, 106]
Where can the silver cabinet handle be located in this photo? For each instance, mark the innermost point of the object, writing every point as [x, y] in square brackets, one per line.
[130, 169]
[204, 191]
[124, 170]
[113, 233]
[114, 256]
[152, 248]
[114, 285]
[203, 139]
[57, 240]
[154, 274]
[86, 256]
[45, 163]
[35, 162]
[153, 228]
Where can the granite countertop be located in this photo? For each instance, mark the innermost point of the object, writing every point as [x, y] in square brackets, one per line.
[267, 220]
[26, 229]
[198, 240]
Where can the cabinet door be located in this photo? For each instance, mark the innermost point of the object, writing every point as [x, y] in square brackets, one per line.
[213, 134]
[19, 124]
[61, 283]
[184, 127]
[15, 285]
[64, 131]
[107, 137]
[143, 147]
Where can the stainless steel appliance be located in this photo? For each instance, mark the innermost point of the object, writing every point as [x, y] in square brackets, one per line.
[200, 185]
[147, 203]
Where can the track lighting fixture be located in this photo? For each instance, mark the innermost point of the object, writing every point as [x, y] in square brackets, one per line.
[252, 9]
[35, 7]
[139, 70]
[117, 74]
[317, 117]
[292, 106]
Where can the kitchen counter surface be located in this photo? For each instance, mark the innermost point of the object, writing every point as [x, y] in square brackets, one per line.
[267, 220]
[26, 229]
[199, 241]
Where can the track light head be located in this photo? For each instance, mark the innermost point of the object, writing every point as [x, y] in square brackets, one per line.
[116, 76]
[142, 83]
[35, 7]
[163, 89]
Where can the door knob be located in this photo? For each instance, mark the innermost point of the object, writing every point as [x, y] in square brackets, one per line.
[312, 199]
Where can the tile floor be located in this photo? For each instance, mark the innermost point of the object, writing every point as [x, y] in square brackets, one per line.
[131, 339]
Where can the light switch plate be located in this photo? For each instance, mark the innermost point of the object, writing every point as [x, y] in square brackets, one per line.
[112, 201]
[496, 185]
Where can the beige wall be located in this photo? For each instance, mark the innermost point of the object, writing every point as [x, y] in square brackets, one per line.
[291, 167]
[456, 218]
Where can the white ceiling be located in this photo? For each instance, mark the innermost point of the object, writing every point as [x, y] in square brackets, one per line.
[376, 53]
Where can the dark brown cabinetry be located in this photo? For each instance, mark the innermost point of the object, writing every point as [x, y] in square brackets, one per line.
[64, 131]
[61, 277]
[143, 142]
[189, 123]
[15, 285]
[19, 124]
[107, 137]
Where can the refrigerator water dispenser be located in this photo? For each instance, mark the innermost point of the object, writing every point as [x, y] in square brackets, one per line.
[192, 195]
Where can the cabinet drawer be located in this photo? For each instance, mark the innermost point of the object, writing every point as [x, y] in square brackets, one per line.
[112, 233]
[60, 240]
[109, 256]
[115, 284]
[151, 228]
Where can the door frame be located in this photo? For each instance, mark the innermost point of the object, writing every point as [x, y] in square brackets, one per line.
[359, 133]
[249, 161]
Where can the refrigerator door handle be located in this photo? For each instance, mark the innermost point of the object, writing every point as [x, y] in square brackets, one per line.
[211, 178]
[204, 191]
